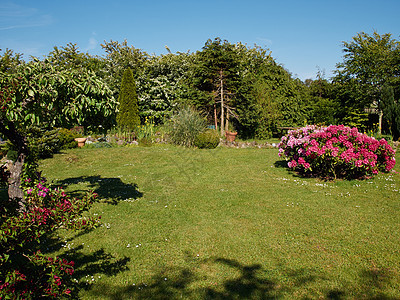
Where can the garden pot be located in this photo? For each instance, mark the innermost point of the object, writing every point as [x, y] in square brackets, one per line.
[230, 136]
[81, 141]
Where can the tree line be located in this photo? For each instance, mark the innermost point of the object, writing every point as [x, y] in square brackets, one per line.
[232, 84]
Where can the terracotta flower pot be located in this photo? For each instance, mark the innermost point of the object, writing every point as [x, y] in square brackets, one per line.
[230, 136]
[81, 141]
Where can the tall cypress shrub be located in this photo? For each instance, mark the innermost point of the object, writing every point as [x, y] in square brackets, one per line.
[128, 114]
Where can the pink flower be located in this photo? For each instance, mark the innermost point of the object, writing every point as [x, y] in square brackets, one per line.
[292, 164]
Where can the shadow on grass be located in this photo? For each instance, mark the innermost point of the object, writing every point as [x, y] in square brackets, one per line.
[112, 190]
[281, 164]
[89, 267]
[373, 284]
[246, 282]
[252, 282]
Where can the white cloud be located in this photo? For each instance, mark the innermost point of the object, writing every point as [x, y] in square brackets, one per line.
[13, 16]
[92, 43]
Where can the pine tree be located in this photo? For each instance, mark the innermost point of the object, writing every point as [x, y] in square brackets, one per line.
[128, 115]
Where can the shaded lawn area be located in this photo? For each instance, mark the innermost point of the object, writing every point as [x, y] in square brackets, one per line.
[226, 224]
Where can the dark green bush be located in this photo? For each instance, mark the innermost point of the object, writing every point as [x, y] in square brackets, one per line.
[43, 142]
[208, 139]
[67, 138]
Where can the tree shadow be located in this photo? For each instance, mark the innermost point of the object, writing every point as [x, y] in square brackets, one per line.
[245, 282]
[249, 285]
[373, 283]
[110, 190]
[253, 282]
[88, 267]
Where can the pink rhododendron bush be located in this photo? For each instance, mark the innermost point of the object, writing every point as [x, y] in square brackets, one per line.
[25, 272]
[336, 151]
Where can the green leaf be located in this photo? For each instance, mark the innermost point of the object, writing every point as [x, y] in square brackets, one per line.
[31, 93]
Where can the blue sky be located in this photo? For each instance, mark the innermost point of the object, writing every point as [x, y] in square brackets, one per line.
[304, 36]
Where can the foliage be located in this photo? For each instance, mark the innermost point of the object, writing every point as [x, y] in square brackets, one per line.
[119, 57]
[268, 96]
[9, 61]
[208, 139]
[372, 60]
[66, 138]
[370, 63]
[266, 109]
[42, 142]
[391, 111]
[164, 84]
[25, 273]
[336, 151]
[146, 131]
[128, 111]
[184, 126]
[60, 97]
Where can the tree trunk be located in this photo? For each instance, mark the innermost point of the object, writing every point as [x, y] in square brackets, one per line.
[380, 122]
[15, 192]
[215, 117]
[227, 120]
[222, 103]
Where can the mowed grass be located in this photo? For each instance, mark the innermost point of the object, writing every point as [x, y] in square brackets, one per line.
[226, 224]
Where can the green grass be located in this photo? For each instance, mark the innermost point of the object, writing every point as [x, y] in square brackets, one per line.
[227, 224]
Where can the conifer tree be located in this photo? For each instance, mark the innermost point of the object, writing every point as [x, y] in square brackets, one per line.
[128, 114]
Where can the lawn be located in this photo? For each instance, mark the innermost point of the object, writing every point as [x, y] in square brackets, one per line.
[226, 224]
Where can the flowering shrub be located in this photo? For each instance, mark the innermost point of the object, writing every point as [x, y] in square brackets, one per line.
[336, 151]
[25, 273]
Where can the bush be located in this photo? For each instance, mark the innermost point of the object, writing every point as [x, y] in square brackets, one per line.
[336, 151]
[185, 126]
[208, 139]
[67, 138]
[43, 142]
[26, 273]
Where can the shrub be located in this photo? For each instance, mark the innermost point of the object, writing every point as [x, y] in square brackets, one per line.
[42, 142]
[128, 114]
[208, 139]
[25, 273]
[185, 126]
[336, 151]
[67, 138]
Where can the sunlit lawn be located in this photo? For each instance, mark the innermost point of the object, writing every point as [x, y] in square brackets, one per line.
[227, 224]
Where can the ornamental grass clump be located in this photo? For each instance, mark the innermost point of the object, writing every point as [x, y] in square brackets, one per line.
[185, 126]
[336, 151]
